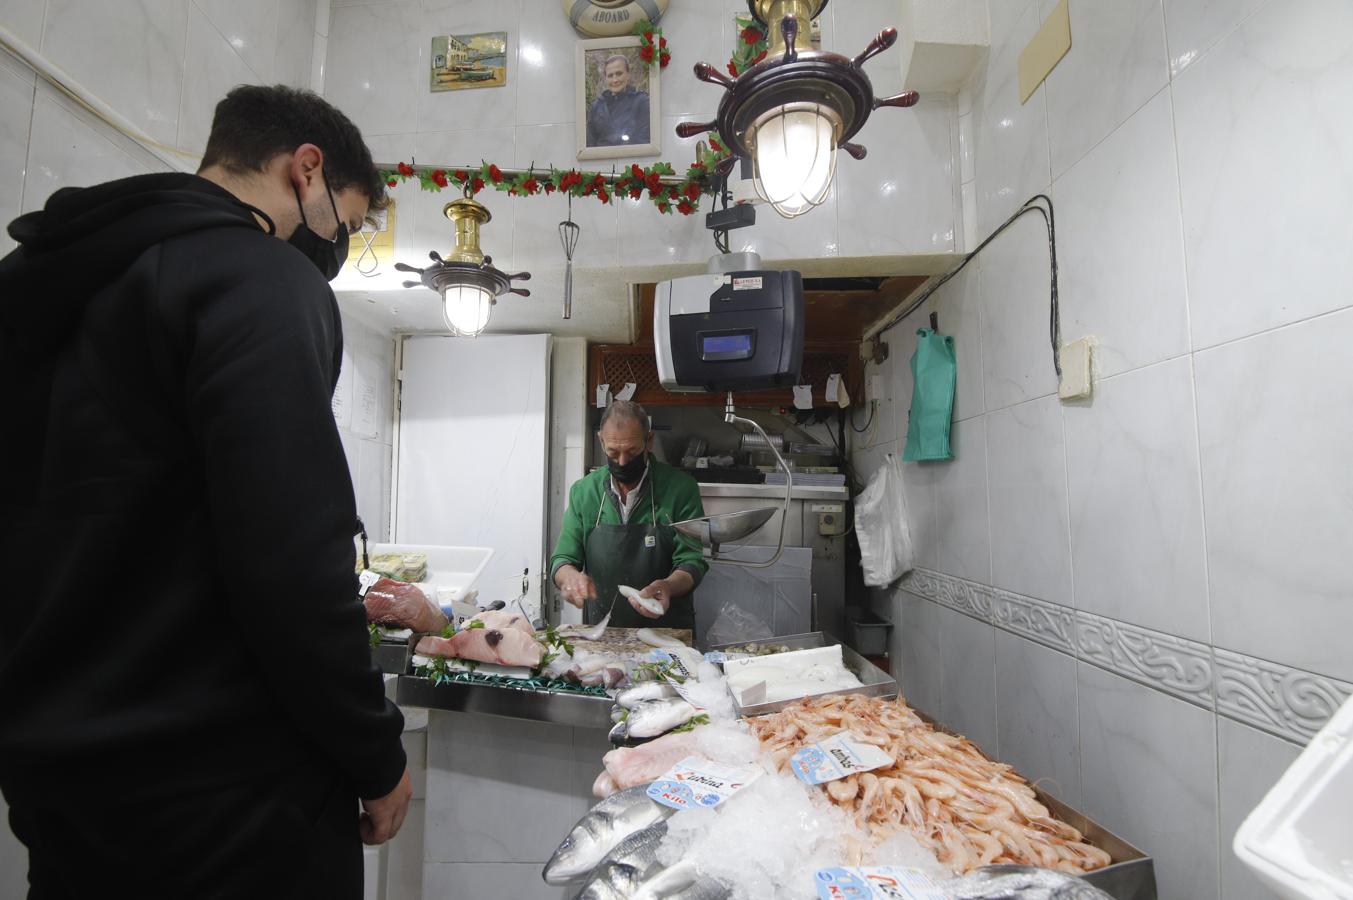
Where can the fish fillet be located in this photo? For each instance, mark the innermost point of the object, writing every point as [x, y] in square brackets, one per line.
[503, 641]
[629, 766]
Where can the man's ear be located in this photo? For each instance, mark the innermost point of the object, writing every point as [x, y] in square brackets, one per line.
[307, 162]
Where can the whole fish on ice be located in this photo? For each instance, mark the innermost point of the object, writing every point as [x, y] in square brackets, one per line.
[587, 632]
[654, 639]
[649, 690]
[651, 718]
[600, 831]
[632, 872]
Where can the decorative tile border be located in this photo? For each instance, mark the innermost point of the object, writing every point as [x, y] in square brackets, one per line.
[1171, 664]
[1288, 702]
[960, 595]
[1047, 623]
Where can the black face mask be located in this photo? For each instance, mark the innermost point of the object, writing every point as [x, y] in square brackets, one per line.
[327, 255]
[630, 472]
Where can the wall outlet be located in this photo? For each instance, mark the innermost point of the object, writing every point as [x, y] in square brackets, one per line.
[1077, 378]
[874, 388]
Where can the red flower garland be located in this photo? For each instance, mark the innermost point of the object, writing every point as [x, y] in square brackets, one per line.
[683, 198]
[652, 45]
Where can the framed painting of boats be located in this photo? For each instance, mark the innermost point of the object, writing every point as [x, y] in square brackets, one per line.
[461, 61]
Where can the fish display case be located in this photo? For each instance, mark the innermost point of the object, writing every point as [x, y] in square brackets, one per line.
[513, 701]
[1131, 875]
[874, 682]
[534, 699]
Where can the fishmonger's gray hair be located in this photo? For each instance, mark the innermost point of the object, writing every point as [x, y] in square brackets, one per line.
[626, 411]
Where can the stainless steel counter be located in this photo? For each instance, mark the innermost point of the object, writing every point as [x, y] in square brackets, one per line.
[557, 708]
[773, 492]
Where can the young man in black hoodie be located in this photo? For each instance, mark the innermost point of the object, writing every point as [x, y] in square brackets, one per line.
[187, 702]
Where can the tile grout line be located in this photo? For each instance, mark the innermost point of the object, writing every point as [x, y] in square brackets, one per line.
[183, 70]
[1347, 307]
[28, 145]
[1216, 749]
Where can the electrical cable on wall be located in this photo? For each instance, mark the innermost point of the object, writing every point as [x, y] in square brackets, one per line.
[872, 405]
[1054, 321]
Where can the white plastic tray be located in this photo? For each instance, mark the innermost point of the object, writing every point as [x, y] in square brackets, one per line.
[1299, 839]
[450, 569]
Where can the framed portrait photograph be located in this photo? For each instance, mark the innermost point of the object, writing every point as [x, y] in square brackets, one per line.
[618, 103]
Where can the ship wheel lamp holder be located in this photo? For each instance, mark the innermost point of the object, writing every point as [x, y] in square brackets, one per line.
[790, 112]
[465, 278]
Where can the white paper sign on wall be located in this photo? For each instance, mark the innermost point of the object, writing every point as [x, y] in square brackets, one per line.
[341, 404]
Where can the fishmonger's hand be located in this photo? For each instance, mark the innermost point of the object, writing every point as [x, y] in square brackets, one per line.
[661, 591]
[576, 587]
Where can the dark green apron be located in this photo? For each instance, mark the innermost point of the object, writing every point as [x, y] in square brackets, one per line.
[636, 555]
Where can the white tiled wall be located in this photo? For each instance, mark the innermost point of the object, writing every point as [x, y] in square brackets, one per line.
[1123, 582]
[901, 199]
[161, 64]
[369, 364]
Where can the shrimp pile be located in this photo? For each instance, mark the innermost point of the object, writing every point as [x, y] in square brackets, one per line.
[965, 808]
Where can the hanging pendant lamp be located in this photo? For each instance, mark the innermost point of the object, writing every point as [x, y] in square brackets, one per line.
[790, 112]
[468, 283]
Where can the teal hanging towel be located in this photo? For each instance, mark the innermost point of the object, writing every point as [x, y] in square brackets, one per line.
[935, 372]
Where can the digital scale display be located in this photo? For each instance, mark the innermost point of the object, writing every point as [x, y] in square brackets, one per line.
[727, 345]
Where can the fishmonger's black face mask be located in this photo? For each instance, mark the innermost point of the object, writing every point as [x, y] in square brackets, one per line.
[630, 472]
[327, 255]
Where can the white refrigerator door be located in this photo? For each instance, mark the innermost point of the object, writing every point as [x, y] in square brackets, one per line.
[473, 434]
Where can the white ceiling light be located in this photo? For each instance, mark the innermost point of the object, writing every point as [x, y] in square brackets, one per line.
[790, 112]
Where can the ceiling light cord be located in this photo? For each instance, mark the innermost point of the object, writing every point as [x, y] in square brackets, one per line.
[1038, 203]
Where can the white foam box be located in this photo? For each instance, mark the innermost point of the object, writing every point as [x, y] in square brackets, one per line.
[1299, 839]
[451, 570]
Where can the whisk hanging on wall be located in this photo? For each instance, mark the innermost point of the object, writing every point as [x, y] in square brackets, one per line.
[568, 236]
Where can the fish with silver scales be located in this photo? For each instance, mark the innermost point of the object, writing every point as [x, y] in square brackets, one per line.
[604, 827]
[632, 872]
[650, 718]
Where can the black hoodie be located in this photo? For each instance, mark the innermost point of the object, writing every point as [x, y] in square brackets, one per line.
[176, 512]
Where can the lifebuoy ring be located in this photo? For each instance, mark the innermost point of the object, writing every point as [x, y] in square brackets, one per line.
[608, 18]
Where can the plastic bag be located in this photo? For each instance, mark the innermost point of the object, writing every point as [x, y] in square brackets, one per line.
[935, 373]
[736, 604]
[881, 526]
[1023, 882]
[734, 624]
[396, 604]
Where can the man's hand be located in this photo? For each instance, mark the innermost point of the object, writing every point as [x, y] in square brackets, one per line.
[660, 590]
[576, 587]
[384, 815]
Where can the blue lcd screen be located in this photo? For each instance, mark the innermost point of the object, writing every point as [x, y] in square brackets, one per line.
[726, 343]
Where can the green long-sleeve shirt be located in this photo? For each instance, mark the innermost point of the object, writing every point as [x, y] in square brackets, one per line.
[675, 497]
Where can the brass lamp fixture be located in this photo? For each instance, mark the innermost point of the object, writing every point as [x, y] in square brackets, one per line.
[790, 112]
[465, 278]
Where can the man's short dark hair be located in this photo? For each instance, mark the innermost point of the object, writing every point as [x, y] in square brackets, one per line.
[254, 123]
